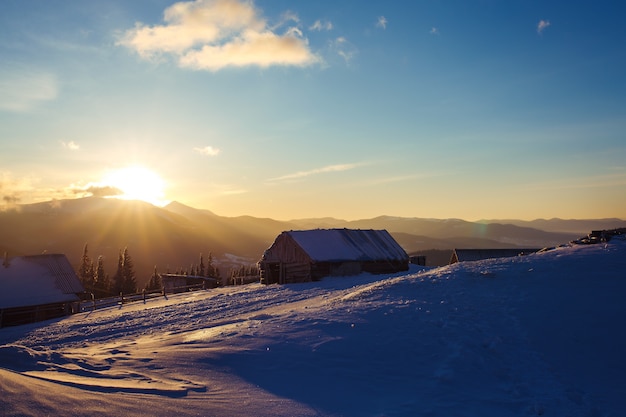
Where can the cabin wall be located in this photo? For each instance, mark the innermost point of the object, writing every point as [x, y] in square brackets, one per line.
[16, 316]
[285, 272]
[285, 262]
[285, 250]
[385, 266]
[172, 284]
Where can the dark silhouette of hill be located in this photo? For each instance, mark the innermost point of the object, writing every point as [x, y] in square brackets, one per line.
[451, 233]
[173, 237]
[577, 226]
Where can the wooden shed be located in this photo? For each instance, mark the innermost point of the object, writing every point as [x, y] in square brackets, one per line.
[176, 283]
[38, 287]
[462, 255]
[309, 255]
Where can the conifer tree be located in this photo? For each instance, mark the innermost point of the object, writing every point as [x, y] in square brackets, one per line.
[155, 281]
[129, 283]
[91, 272]
[102, 285]
[201, 268]
[85, 272]
[210, 270]
[118, 278]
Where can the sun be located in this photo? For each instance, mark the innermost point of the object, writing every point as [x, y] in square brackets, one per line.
[137, 183]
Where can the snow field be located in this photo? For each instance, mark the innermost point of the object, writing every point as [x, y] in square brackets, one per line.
[527, 336]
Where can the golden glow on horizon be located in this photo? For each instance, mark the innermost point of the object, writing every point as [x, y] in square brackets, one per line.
[137, 183]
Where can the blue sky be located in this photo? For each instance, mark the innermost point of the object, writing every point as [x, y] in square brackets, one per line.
[287, 109]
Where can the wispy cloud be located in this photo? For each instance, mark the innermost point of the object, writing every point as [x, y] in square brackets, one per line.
[12, 189]
[23, 90]
[96, 190]
[288, 16]
[381, 22]
[321, 25]
[399, 178]
[71, 145]
[344, 48]
[234, 191]
[542, 25]
[316, 171]
[208, 151]
[409, 177]
[434, 31]
[225, 189]
[215, 34]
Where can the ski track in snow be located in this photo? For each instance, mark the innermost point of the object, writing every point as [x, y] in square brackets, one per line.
[527, 336]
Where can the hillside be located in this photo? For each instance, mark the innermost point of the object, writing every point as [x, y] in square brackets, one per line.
[173, 237]
[154, 236]
[539, 335]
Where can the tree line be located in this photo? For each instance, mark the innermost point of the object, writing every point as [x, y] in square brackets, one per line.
[97, 282]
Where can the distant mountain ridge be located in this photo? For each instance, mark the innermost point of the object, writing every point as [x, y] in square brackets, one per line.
[564, 226]
[172, 237]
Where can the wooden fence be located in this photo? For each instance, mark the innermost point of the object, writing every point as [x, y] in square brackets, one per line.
[94, 304]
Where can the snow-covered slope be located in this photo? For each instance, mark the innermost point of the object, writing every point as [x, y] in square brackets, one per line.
[535, 335]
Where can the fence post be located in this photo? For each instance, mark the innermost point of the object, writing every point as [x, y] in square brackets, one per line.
[93, 302]
[144, 295]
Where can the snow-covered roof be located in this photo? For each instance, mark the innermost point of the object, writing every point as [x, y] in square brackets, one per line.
[36, 280]
[333, 245]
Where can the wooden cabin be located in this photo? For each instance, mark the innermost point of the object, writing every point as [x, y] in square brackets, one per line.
[309, 255]
[36, 288]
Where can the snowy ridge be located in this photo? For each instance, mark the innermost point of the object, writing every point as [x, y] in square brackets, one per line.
[533, 335]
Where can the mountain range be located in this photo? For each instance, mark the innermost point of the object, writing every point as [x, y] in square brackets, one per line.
[171, 238]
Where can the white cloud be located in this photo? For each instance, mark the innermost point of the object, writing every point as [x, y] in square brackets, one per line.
[208, 151]
[71, 145]
[434, 31]
[321, 25]
[382, 22]
[326, 169]
[214, 34]
[542, 25]
[21, 91]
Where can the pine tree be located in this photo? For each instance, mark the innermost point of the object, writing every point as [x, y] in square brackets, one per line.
[85, 272]
[155, 281]
[91, 272]
[102, 285]
[118, 278]
[129, 283]
[201, 268]
[210, 270]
